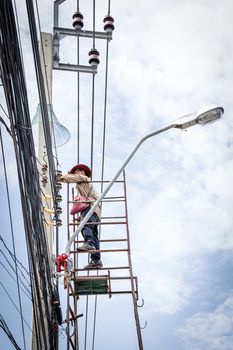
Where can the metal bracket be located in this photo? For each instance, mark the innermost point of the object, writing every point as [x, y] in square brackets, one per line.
[60, 33]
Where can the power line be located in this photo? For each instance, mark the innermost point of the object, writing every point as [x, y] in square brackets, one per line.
[13, 239]
[103, 159]
[14, 257]
[5, 328]
[3, 122]
[25, 291]
[12, 301]
[16, 98]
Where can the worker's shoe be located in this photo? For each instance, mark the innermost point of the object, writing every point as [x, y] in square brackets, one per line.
[94, 264]
[87, 246]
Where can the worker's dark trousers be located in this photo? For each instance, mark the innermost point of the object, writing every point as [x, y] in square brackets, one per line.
[90, 232]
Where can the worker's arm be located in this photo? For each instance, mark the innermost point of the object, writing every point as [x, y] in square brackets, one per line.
[73, 178]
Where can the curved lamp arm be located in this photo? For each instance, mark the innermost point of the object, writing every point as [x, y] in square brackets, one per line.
[91, 211]
[204, 116]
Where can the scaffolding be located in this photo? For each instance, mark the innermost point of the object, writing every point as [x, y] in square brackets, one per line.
[111, 280]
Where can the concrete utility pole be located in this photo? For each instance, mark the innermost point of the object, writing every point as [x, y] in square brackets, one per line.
[43, 164]
[47, 59]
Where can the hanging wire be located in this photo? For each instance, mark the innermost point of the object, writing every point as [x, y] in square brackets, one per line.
[12, 237]
[12, 301]
[26, 291]
[78, 106]
[4, 111]
[7, 129]
[6, 329]
[93, 94]
[46, 77]
[86, 323]
[16, 98]
[78, 95]
[2, 120]
[41, 90]
[92, 120]
[103, 161]
[105, 116]
[93, 24]
[8, 262]
[18, 34]
[92, 152]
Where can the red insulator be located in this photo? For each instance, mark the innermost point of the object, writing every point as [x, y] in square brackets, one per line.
[94, 57]
[61, 262]
[109, 24]
[77, 20]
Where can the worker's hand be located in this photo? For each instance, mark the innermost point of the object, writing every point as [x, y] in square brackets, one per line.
[78, 219]
[62, 179]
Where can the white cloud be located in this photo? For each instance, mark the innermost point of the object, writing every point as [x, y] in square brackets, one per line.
[211, 330]
[167, 59]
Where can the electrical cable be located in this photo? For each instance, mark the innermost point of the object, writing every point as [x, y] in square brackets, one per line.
[14, 257]
[11, 266]
[92, 152]
[52, 132]
[78, 95]
[41, 90]
[46, 77]
[4, 111]
[12, 301]
[16, 97]
[6, 329]
[12, 238]
[25, 291]
[103, 161]
[3, 122]
[93, 95]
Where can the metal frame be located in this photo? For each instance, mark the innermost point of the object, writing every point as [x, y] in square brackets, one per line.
[59, 33]
[130, 279]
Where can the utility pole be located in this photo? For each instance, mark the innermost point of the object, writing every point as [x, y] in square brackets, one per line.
[43, 163]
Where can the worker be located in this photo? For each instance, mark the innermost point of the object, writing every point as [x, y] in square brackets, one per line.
[81, 174]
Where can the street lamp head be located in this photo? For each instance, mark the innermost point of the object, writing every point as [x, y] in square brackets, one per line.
[204, 116]
[209, 114]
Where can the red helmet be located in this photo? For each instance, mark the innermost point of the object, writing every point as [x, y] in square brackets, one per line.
[81, 167]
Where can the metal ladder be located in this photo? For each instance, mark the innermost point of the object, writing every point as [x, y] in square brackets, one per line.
[102, 281]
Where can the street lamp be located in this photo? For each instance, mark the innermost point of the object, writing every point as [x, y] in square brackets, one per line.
[206, 115]
[203, 116]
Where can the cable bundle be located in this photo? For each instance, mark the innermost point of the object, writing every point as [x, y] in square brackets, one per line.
[12, 74]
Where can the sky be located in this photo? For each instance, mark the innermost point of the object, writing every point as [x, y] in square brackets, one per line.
[167, 59]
